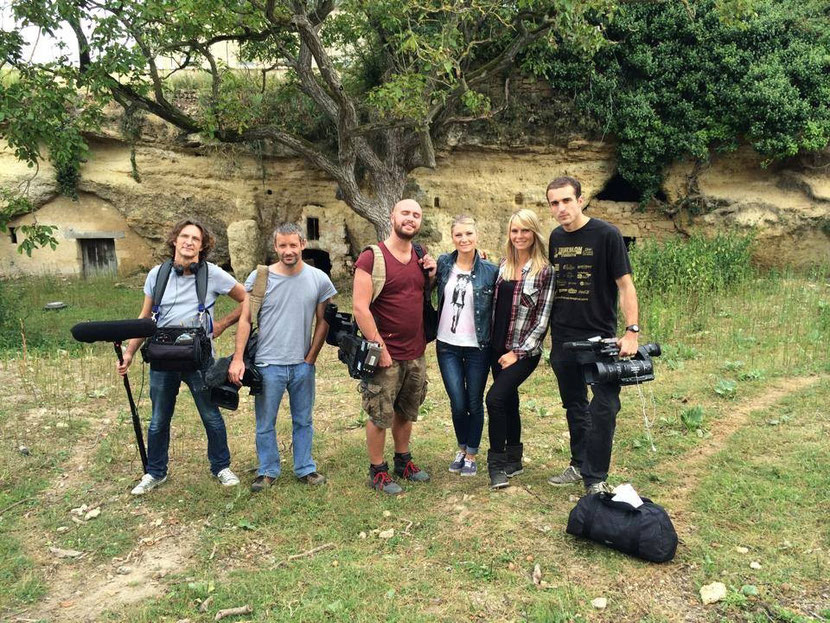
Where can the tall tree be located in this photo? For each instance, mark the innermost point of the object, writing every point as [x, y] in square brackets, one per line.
[365, 90]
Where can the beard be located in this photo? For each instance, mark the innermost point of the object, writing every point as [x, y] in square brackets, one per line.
[404, 235]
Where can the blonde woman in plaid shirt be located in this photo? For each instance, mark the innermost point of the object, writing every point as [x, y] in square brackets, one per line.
[521, 309]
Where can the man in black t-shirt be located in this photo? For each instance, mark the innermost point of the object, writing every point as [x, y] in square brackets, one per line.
[592, 267]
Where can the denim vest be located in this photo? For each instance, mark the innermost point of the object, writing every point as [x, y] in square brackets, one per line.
[484, 275]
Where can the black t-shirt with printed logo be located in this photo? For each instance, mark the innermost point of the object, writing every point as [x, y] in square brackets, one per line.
[588, 262]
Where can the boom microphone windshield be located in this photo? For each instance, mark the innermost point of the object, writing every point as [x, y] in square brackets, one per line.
[113, 330]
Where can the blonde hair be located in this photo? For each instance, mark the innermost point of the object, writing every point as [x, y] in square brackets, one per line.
[463, 219]
[525, 218]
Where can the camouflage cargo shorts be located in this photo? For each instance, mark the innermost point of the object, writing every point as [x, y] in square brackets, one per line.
[401, 388]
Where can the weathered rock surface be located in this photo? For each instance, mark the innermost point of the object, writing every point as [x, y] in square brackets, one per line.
[242, 198]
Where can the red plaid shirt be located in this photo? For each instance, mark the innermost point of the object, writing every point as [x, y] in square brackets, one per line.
[530, 312]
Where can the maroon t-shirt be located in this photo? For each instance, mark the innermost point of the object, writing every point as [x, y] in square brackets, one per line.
[399, 310]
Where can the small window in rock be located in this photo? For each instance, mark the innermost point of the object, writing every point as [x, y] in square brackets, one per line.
[519, 199]
[269, 192]
[312, 226]
[436, 202]
[13, 234]
[629, 240]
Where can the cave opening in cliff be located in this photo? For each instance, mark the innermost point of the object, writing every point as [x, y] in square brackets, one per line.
[617, 189]
[319, 259]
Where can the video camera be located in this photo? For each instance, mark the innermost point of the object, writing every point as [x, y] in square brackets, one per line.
[359, 354]
[225, 394]
[606, 365]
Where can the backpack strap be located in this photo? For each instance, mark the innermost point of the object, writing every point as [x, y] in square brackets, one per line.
[420, 252]
[258, 293]
[378, 271]
[162, 277]
[201, 287]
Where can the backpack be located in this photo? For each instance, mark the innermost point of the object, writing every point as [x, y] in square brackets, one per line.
[645, 532]
[379, 280]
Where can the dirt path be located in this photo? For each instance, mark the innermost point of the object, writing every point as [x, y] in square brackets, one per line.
[668, 590]
[694, 464]
[80, 589]
[81, 593]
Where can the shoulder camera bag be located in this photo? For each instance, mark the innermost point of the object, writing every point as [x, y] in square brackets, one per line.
[178, 349]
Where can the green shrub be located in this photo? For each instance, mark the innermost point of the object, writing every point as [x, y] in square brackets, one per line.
[699, 265]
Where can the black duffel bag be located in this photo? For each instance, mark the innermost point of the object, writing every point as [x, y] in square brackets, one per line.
[645, 532]
[178, 349]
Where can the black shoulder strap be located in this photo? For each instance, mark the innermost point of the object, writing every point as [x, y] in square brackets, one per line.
[419, 251]
[161, 285]
[202, 285]
[163, 277]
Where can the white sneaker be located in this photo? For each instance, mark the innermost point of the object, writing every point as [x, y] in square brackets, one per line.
[147, 483]
[227, 477]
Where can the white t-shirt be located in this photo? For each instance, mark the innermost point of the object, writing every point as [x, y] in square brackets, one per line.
[456, 325]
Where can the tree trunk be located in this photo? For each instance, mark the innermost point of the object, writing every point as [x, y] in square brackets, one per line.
[388, 190]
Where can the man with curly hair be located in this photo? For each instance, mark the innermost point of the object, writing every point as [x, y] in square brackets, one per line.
[189, 242]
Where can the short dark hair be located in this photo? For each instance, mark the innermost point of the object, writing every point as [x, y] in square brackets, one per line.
[286, 229]
[565, 180]
[208, 240]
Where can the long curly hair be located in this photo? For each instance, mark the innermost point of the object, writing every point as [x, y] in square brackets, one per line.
[208, 240]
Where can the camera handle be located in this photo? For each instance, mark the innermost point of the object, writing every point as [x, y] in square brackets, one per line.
[139, 436]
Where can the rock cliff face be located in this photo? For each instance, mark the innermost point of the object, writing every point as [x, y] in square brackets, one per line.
[242, 198]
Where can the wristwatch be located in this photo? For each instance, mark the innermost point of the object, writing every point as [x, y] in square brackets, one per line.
[634, 328]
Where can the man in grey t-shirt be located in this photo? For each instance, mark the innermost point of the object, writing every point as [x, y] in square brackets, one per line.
[296, 296]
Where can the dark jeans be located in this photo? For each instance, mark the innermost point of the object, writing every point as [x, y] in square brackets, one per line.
[505, 425]
[164, 388]
[591, 425]
[464, 372]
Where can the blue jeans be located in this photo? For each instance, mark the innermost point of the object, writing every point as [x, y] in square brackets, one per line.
[164, 387]
[298, 379]
[464, 372]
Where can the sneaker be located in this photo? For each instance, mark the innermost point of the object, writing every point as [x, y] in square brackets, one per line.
[458, 464]
[227, 478]
[410, 471]
[312, 479]
[598, 487]
[262, 482]
[469, 468]
[147, 483]
[570, 476]
[383, 482]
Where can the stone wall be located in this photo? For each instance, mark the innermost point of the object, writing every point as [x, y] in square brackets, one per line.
[242, 198]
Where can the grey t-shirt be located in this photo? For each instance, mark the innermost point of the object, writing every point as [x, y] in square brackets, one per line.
[287, 313]
[180, 304]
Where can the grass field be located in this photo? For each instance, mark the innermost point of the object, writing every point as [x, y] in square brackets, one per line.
[738, 417]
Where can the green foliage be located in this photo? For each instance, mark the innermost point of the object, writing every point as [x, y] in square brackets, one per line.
[726, 389]
[685, 78]
[33, 236]
[45, 106]
[700, 264]
[692, 418]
